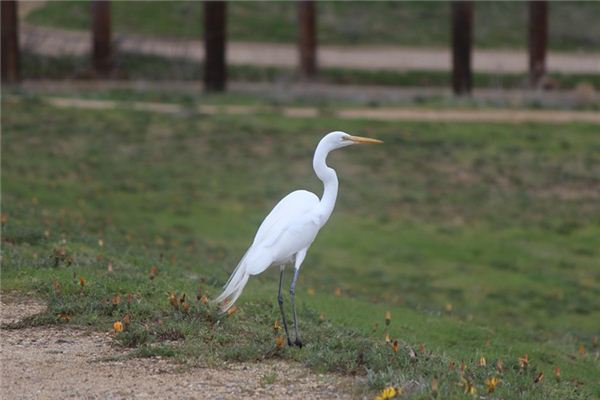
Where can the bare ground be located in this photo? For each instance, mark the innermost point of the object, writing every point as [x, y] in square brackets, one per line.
[57, 362]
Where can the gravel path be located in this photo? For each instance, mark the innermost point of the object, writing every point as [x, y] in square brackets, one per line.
[56, 42]
[59, 362]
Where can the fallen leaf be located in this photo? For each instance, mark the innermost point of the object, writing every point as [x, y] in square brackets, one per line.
[232, 310]
[279, 341]
[524, 361]
[557, 373]
[499, 366]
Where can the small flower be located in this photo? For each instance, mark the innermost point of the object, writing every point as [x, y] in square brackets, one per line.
[388, 317]
[388, 393]
[100, 242]
[482, 362]
[276, 326]
[186, 307]
[116, 300]
[153, 272]
[338, 292]
[64, 316]
[581, 349]
[110, 266]
[204, 299]
[452, 366]
[395, 346]
[387, 338]
[539, 378]
[434, 385]
[118, 326]
[126, 319]
[173, 300]
[491, 384]
[82, 281]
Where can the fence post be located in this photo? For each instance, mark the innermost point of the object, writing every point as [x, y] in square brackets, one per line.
[101, 38]
[307, 38]
[537, 41]
[10, 42]
[215, 32]
[462, 43]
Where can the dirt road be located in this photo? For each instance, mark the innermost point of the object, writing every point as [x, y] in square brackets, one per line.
[59, 362]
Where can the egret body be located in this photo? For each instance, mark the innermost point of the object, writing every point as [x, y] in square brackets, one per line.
[290, 228]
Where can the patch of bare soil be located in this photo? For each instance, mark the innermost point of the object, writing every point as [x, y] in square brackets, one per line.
[57, 362]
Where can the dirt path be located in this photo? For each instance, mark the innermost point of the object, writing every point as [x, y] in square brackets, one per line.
[61, 362]
[56, 42]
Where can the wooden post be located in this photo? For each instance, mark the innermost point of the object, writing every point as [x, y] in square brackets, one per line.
[101, 38]
[462, 43]
[307, 38]
[537, 41]
[215, 32]
[10, 42]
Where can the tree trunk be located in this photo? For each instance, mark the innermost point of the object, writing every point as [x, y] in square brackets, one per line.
[307, 38]
[10, 42]
[215, 71]
[101, 38]
[537, 40]
[462, 43]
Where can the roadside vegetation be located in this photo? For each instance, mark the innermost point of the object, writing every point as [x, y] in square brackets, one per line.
[572, 25]
[480, 240]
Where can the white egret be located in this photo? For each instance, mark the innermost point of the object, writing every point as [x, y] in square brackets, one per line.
[290, 228]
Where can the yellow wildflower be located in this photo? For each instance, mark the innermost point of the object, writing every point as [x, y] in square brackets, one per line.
[491, 384]
[118, 326]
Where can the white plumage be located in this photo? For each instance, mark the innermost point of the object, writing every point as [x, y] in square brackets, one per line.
[290, 228]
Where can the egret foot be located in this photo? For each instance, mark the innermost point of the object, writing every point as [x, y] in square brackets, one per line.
[298, 342]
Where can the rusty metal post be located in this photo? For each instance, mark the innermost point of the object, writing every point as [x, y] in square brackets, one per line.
[307, 38]
[101, 38]
[537, 41]
[10, 42]
[215, 32]
[462, 44]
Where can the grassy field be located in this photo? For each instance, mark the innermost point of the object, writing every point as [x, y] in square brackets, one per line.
[572, 25]
[482, 240]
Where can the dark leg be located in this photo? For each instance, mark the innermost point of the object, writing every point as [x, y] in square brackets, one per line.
[297, 342]
[280, 301]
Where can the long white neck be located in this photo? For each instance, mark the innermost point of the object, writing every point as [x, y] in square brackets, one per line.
[329, 178]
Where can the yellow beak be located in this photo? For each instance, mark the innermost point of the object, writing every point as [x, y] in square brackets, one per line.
[364, 140]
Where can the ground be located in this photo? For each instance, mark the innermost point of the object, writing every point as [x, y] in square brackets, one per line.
[58, 362]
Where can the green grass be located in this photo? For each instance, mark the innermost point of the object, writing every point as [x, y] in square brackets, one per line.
[572, 25]
[502, 222]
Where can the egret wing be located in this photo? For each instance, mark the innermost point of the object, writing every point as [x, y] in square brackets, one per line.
[286, 212]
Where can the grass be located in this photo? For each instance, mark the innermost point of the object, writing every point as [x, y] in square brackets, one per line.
[482, 241]
[572, 25]
[141, 67]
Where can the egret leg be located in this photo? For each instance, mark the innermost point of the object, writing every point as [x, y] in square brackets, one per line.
[297, 342]
[280, 301]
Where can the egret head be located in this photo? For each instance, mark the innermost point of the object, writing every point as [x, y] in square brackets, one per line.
[338, 139]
